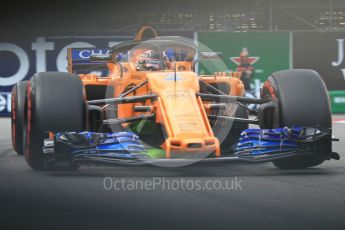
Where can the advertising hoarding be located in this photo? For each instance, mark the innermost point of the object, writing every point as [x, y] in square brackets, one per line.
[21, 57]
[267, 52]
[325, 53]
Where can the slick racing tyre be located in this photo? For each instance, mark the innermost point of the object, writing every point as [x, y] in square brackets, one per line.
[236, 129]
[18, 115]
[55, 103]
[228, 132]
[303, 101]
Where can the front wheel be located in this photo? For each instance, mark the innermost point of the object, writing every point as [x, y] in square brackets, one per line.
[55, 103]
[303, 101]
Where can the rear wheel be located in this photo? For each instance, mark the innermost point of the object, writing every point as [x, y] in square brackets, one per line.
[55, 103]
[18, 114]
[303, 100]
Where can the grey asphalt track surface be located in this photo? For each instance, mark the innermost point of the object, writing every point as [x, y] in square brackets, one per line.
[266, 198]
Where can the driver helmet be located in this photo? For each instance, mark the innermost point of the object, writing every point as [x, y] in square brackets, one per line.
[150, 61]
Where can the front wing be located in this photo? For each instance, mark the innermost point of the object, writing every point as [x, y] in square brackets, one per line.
[125, 148]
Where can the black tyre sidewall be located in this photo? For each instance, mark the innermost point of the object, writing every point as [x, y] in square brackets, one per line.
[18, 115]
[34, 136]
[304, 101]
[55, 103]
[233, 134]
[303, 98]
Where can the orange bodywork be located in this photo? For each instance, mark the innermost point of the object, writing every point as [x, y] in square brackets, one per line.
[178, 108]
[183, 115]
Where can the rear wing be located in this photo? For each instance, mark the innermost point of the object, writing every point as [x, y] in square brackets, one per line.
[79, 61]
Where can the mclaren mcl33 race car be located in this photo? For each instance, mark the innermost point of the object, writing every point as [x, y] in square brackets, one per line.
[152, 107]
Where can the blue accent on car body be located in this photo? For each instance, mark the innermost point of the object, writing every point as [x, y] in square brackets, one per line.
[118, 145]
[82, 55]
[256, 142]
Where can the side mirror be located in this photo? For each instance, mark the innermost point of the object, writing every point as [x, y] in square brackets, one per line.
[101, 58]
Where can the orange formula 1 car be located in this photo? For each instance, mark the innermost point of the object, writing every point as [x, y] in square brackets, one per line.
[152, 107]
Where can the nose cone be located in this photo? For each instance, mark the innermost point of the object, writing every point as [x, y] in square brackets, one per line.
[182, 113]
